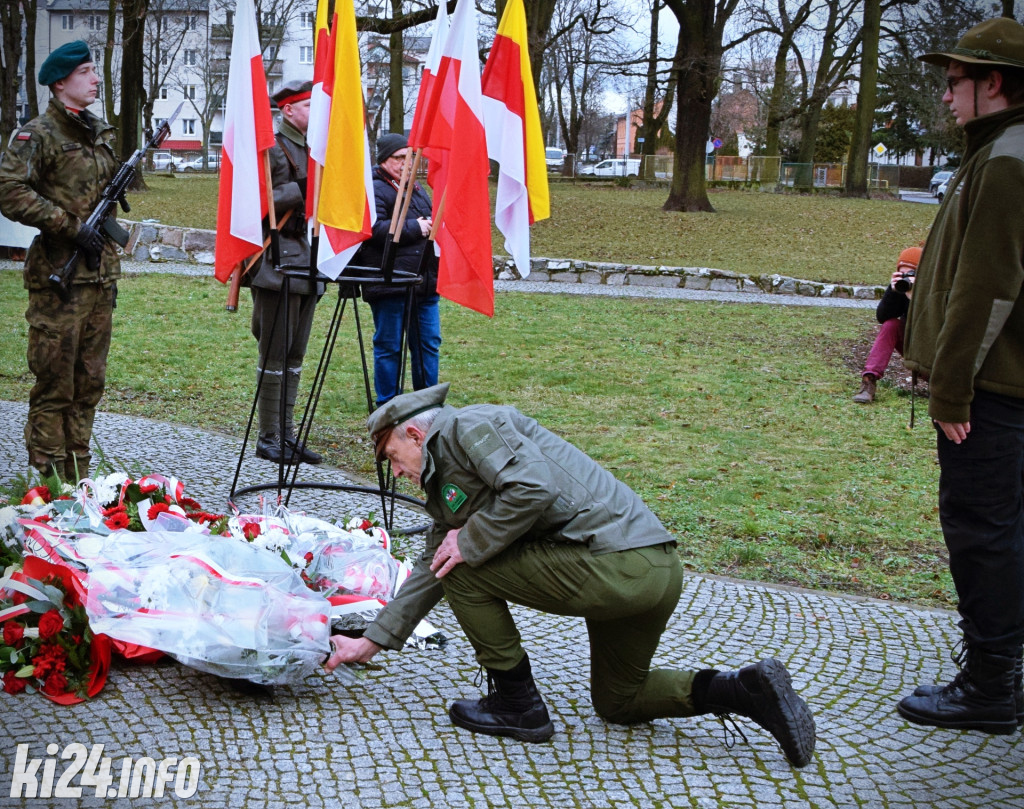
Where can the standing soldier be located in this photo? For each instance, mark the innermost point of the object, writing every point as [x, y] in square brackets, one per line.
[52, 175]
[281, 352]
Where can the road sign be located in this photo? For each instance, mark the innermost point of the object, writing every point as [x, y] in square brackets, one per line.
[717, 142]
[880, 149]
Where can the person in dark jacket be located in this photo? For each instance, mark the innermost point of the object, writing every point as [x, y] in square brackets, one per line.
[891, 313]
[282, 351]
[52, 176]
[523, 516]
[965, 334]
[414, 253]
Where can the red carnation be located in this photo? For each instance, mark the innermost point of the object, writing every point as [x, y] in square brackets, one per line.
[251, 530]
[13, 632]
[117, 521]
[365, 525]
[188, 502]
[148, 488]
[14, 684]
[308, 557]
[55, 685]
[50, 624]
[155, 509]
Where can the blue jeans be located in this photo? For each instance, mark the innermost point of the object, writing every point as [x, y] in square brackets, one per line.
[424, 344]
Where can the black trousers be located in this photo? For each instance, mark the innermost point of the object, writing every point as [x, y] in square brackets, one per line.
[981, 507]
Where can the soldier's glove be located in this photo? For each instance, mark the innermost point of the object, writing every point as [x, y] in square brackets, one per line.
[90, 241]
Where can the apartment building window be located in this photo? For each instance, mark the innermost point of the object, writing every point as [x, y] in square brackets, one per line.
[188, 126]
[163, 94]
[229, 19]
[190, 91]
[306, 55]
[271, 54]
[269, 18]
[306, 20]
[67, 22]
[191, 57]
[95, 22]
[191, 21]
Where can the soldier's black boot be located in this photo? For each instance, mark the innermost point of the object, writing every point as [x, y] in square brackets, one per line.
[958, 656]
[980, 697]
[269, 444]
[762, 692]
[305, 454]
[512, 707]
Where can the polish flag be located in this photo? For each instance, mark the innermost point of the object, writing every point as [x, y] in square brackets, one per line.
[319, 104]
[248, 133]
[514, 138]
[345, 207]
[435, 157]
[455, 125]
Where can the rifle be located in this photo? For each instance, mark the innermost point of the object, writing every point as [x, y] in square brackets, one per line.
[102, 217]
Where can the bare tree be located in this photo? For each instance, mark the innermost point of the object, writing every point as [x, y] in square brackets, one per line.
[133, 92]
[167, 29]
[10, 62]
[860, 143]
[30, 11]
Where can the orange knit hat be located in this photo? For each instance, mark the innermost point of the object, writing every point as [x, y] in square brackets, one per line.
[911, 256]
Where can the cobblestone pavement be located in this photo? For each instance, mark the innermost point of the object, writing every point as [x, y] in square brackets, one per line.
[386, 741]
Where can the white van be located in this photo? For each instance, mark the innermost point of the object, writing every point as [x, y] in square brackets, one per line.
[617, 167]
[554, 157]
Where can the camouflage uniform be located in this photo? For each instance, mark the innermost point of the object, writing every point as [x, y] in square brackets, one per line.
[51, 177]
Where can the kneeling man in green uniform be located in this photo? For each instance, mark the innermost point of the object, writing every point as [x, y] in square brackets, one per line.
[522, 516]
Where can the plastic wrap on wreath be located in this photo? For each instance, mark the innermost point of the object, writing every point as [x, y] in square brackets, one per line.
[216, 604]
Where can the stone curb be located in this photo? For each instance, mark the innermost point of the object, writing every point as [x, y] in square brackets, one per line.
[151, 241]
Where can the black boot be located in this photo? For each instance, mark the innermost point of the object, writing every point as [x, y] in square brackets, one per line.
[304, 453]
[958, 655]
[981, 697]
[512, 707]
[762, 692]
[270, 448]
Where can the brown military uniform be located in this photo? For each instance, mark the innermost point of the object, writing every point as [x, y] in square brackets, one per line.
[51, 177]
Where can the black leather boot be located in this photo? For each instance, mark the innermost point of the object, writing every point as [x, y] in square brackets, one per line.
[981, 697]
[762, 692]
[270, 447]
[959, 655]
[511, 708]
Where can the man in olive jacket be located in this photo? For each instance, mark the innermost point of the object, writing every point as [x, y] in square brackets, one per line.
[521, 515]
[52, 175]
[965, 333]
[282, 349]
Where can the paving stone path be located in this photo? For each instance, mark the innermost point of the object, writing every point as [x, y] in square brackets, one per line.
[386, 741]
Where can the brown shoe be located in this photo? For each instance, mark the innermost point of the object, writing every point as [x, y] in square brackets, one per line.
[866, 394]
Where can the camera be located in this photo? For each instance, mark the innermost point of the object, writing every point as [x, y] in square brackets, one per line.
[903, 285]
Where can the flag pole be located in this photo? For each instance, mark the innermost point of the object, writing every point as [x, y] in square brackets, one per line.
[409, 188]
[242, 269]
[275, 242]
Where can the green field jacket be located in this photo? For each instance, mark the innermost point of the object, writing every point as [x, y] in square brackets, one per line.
[501, 478]
[965, 327]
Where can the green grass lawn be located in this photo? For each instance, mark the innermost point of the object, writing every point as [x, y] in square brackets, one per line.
[733, 422]
[814, 237]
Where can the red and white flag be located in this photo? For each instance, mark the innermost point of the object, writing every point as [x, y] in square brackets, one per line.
[346, 208]
[435, 157]
[248, 133]
[514, 137]
[455, 125]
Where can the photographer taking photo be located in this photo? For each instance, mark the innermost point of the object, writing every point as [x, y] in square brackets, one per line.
[892, 314]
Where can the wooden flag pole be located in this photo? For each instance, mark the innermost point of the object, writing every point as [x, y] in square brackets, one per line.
[440, 216]
[403, 187]
[242, 269]
[410, 187]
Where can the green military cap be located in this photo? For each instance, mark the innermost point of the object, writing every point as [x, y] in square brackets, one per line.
[293, 92]
[61, 62]
[404, 407]
[994, 42]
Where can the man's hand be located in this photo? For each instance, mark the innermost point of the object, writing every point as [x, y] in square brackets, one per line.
[955, 432]
[350, 650]
[90, 241]
[447, 555]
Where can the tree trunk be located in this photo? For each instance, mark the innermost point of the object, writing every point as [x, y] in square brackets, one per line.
[108, 66]
[538, 23]
[860, 143]
[133, 94]
[30, 9]
[10, 21]
[698, 61]
[774, 116]
[396, 96]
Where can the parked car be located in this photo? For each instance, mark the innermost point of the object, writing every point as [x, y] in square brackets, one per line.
[616, 167]
[940, 178]
[162, 161]
[554, 157]
[196, 163]
[940, 192]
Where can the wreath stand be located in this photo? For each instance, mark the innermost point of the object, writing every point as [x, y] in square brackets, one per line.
[349, 286]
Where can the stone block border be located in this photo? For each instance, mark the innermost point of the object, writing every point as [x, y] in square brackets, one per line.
[151, 241]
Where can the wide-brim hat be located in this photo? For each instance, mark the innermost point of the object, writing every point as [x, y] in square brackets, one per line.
[994, 42]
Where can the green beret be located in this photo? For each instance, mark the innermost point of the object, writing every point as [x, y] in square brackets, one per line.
[61, 62]
[404, 407]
